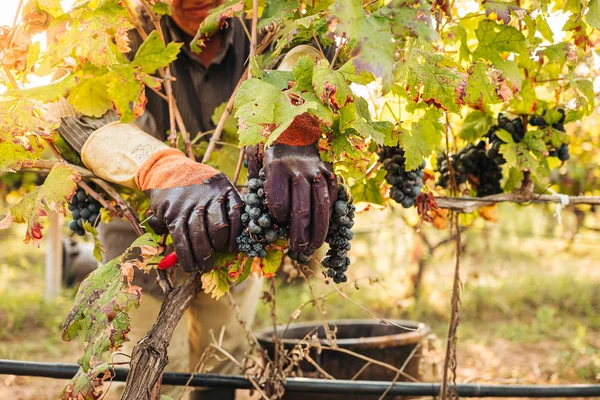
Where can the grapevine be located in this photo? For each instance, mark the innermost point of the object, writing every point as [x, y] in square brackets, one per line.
[471, 164]
[84, 208]
[405, 185]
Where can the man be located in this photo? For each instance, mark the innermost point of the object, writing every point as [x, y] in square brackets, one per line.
[198, 204]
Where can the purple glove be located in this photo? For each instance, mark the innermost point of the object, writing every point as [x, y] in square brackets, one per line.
[300, 190]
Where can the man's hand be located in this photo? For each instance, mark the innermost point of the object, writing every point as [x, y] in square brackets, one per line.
[300, 190]
[196, 203]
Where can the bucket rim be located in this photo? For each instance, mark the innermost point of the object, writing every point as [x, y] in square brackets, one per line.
[421, 331]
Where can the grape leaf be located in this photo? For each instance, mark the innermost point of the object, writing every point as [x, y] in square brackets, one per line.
[353, 121]
[370, 37]
[495, 39]
[90, 96]
[153, 54]
[161, 8]
[410, 18]
[264, 112]
[438, 78]
[303, 74]
[331, 86]
[126, 92]
[98, 249]
[45, 93]
[422, 138]
[475, 126]
[271, 263]
[592, 17]
[215, 283]
[370, 190]
[18, 155]
[480, 92]
[350, 74]
[58, 188]
[87, 386]
[277, 11]
[102, 302]
[216, 19]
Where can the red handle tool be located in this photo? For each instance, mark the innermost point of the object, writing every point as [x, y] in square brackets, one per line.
[168, 261]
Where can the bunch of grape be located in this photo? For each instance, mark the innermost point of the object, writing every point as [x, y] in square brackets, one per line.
[563, 151]
[471, 164]
[406, 185]
[260, 230]
[513, 126]
[83, 208]
[339, 236]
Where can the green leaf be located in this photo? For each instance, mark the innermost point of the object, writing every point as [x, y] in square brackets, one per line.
[480, 92]
[52, 7]
[475, 126]
[161, 8]
[18, 155]
[277, 11]
[90, 96]
[422, 138]
[272, 262]
[369, 190]
[495, 39]
[215, 283]
[264, 112]
[370, 36]
[350, 74]
[126, 92]
[231, 125]
[87, 386]
[303, 74]
[153, 54]
[214, 21]
[525, 100]
[330, 86]
[58, 188]
[280, 79]
[437, 78]
[46, 93]
[410, 19]
[592, 17]
[544, 28]
[504, 136]
[98, 249]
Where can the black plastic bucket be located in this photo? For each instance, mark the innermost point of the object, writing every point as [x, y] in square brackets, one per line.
[390, 344]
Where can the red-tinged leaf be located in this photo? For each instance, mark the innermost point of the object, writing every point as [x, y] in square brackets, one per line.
[102, 303]
[87, 386]
[272, 262]
[57, 190]
[214, 21]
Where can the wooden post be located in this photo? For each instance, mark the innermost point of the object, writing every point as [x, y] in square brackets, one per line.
[54, 255]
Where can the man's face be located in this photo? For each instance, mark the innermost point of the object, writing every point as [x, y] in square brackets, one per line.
[188, 14]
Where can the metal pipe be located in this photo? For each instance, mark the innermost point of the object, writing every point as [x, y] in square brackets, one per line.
[307, 385]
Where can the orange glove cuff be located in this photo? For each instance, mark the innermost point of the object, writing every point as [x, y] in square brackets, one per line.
[170, 168]
[303, 131]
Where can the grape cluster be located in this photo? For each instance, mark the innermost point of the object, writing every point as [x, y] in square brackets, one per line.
[260, 229]
[563, 151]
[406, 185]
[513, 126]
[339, 236]
[472, 164]
[83, 208]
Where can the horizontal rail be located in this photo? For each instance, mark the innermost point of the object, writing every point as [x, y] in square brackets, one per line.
[309, 385]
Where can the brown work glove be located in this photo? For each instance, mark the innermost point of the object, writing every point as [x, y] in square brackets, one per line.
[300, 188]
[196, 203]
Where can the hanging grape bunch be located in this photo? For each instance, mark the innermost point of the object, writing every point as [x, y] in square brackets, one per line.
[83, 207]
[473, 165]
[562, 152]
[339, 236]
[406, 185]
[260, 230]
[513, 126]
